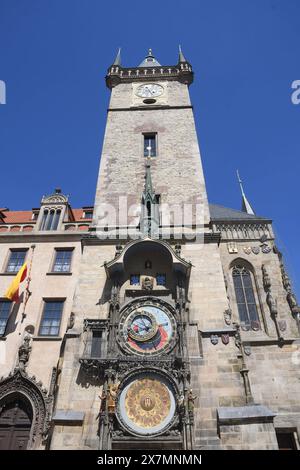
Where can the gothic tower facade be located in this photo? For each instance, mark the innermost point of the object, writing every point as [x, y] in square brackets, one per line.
[174, 304]
[183, 328]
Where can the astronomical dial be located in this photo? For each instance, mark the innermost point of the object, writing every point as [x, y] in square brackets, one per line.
[143, 326]
[148, 329]
[150, 90]
[146, 404]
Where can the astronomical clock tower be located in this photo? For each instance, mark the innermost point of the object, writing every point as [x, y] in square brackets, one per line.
[155, 358]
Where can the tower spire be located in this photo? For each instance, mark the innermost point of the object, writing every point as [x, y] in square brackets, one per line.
[181, 56]
[246, 206]
[149, 222]
[117, 60]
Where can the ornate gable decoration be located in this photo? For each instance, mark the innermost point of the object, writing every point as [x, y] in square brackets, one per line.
[55, 198]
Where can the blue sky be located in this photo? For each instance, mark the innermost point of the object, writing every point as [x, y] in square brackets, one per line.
[245, 54]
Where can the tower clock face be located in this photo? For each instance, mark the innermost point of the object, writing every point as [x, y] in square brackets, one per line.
[150, 90]
[147, 329]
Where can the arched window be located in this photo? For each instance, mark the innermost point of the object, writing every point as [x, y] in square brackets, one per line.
[244, 294]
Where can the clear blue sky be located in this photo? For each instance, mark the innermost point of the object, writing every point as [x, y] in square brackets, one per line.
[245, 54]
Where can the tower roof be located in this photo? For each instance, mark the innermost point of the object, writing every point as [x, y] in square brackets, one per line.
[219, 212]
[150, 61]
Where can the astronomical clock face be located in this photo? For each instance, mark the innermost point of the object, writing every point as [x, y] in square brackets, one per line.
[150, 90]
[147, 329]
[147, 404]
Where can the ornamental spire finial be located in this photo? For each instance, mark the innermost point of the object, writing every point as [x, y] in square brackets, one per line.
[246, 206]
[117, 60]
[181, 56]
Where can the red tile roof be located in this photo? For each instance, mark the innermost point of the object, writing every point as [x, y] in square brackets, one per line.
[17, 217]
[21, 217]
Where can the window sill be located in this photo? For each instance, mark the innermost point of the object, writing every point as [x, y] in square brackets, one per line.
[9, 274]
[58, 274]
[47, 338]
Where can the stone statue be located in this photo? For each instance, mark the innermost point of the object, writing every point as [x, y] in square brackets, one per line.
[71, 321]
[180, 402]
[148, 283]
[191, 401]
[111, 397]
[103, 398]
[24, 352]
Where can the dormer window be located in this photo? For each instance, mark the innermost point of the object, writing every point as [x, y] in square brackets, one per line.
[50, 219]
[88, 214]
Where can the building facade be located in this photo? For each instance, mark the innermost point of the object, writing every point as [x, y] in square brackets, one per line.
[153, 320]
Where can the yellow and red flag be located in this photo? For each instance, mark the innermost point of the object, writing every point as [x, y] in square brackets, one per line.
[12, 292]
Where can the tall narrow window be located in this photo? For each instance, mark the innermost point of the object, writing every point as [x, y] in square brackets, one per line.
[16, 260]
[5, 306]
[43, 223]
[244, 293]
[50, 219]
[150, 147]
[96, 348]
[62, 261]
[55, 220]
[51, 317]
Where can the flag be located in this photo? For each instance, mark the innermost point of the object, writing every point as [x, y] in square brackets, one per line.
[12, 292]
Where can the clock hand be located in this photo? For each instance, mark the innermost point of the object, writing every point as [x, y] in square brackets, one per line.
[145, 324]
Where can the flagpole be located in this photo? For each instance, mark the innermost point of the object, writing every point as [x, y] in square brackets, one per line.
[27, 293]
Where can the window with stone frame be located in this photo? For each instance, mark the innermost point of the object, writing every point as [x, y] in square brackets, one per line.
[5, 309]
[51, 318]
[245, 295]
[62, 260]
[150, 145]
[16, 260]
[96, 339]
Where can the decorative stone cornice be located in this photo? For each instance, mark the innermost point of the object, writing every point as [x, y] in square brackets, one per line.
[181, 72]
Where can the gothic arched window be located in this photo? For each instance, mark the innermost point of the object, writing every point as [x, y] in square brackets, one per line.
[244, 294]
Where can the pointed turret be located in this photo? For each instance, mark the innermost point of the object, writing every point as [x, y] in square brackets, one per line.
[246, 206]
[181, 56]
[117, 60]
[150, 60]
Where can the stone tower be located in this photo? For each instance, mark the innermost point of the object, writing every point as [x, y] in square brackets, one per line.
[184, 318]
